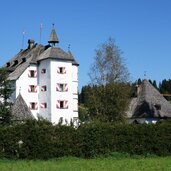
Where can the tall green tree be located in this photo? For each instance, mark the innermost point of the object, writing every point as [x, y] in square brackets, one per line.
[109, 96]
[5, 94]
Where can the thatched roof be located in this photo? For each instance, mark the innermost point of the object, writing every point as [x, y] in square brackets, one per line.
[20, 110]
[149, 103]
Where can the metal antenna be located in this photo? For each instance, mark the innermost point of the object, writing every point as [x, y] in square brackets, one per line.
[41, 28]
[23, 36]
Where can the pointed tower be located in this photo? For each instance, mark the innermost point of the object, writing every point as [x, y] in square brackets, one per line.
[53, 37]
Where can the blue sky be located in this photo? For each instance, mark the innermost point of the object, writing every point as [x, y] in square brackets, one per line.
[141, 29]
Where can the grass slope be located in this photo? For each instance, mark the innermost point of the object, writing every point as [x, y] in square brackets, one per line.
[98, 164]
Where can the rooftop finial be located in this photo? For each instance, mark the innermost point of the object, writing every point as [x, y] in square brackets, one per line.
[69, 47]
[145, 75]
[53, 37]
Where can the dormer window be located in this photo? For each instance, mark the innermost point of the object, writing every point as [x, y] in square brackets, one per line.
[43, 71]
[61, 70]
[157, 106]
[23, 60]
[32, 73]
[8, 64]
[15, 62]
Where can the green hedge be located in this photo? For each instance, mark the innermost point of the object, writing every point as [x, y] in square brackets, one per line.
[42, 140]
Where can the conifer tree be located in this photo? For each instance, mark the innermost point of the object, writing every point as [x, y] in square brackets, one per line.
[5, 93]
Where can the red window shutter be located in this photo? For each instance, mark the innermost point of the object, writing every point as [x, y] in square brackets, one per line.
[29, 73]
[66, 104]
[35, 73]
[58, 70]
[57, 87]
[30, 106]
[36, 89]
[43, 88]
[36, 106]
[58, 104]
[29, 88]
[66, 87]
[64, 70]
[43, 105]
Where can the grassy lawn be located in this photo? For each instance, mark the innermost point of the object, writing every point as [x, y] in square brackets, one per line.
[98, 164]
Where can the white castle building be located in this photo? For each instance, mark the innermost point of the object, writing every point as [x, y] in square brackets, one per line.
[45, 81]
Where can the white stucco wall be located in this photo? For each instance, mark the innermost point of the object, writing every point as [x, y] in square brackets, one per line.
[22, 85]
[50, 79]
[45, 96]
[75, 90]
[65, 78]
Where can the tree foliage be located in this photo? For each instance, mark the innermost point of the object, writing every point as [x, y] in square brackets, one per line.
[43, 140]
[108, 66]
[109, 103]
[165, 86]
[5, 94]
[109, 93]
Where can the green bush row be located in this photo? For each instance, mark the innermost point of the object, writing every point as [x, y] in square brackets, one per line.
[42, 140]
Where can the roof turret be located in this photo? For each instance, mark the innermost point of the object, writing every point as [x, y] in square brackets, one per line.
[53, 37]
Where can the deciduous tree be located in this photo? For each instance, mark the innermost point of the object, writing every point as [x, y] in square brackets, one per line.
[110, 92]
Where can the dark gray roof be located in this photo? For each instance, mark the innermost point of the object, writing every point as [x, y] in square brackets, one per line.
[24, 58]
[74, 62]
[35, 53]
[149, 103]
[20, 111]
[57, 53]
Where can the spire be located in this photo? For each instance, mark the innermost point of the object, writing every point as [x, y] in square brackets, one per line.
[53, 37]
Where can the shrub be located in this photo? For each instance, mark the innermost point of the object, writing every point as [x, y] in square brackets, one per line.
[41, 140]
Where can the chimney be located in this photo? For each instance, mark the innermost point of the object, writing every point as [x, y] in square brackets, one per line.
[8, 64]
[30, 44]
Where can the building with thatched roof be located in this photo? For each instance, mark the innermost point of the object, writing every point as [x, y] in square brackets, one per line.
[149, 106]
[45, 80]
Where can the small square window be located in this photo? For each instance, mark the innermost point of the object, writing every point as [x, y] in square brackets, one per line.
[32, 88]
[32, 73]
[43, 88]
[61, 87]
[62, 104]
[43, 105]
[157, 106]
[43, 71]
[61, 70]
[33, 106]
